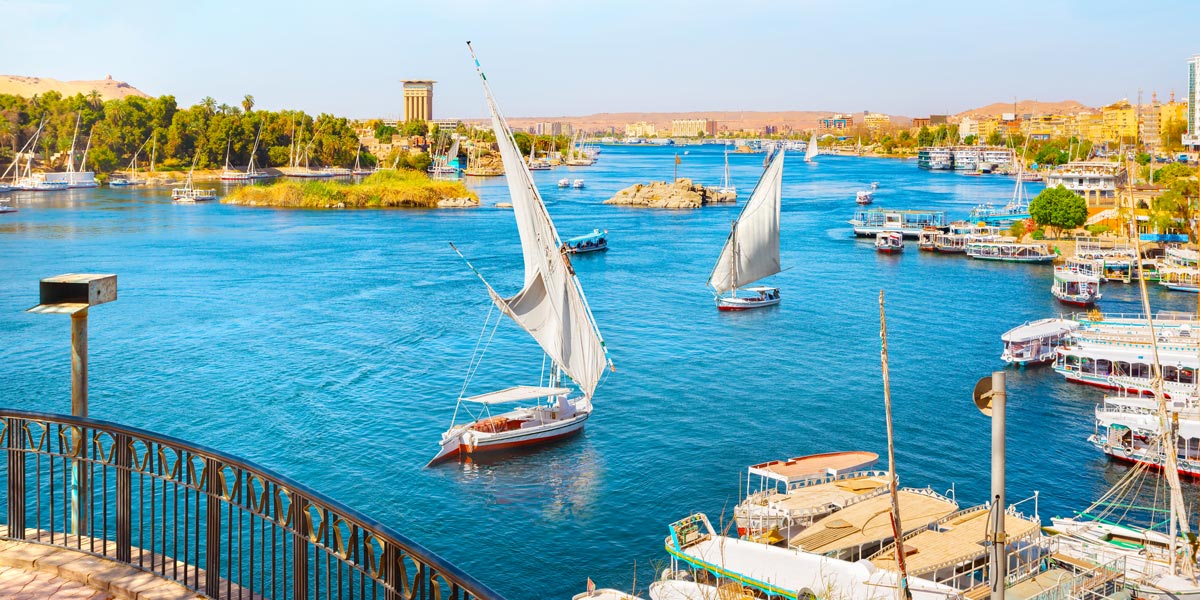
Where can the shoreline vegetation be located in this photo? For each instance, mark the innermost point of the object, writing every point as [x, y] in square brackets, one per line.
[385, 189]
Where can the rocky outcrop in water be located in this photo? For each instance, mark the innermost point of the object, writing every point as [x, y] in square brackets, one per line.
[683, 193]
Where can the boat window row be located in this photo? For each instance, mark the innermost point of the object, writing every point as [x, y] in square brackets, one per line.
[1120, 368]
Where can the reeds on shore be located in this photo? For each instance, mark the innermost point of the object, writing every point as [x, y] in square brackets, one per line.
[385, 189]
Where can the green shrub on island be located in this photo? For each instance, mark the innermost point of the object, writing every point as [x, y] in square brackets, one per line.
[385, 189]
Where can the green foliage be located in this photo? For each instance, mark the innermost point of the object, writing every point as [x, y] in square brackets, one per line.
[1098, 229]
[121, 128]
[1172, 134]
[1168, 174]
[1017, 229]
[1058, 207]
[1038, 234]
[924, 137]
[385, 189]
[414, 128]
[995, 138]
[384, 133]
[1143, 158]
[971, 139]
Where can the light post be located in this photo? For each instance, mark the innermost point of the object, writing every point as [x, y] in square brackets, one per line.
[73, 294]
[990, 397]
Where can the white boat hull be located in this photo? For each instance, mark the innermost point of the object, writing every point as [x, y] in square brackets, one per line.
[466, 440]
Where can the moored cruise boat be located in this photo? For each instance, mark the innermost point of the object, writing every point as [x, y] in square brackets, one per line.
[595, 241]
[889, 242]
[935, 158]
[785, 496]
[911, 223]
[927, 241]
[950, 243]
[1011, 252]
[1036, 342]
[1126, 367]
[966, 159]
[1128, 429]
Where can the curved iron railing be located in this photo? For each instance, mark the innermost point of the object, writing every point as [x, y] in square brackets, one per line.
[222, 526]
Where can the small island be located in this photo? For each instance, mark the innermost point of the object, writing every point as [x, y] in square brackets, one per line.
[385, 189]
[683, 193]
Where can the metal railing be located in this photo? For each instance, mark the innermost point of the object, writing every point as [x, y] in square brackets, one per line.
[220, 526]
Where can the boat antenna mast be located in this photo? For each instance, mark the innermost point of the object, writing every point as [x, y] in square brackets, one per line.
[902, 591]
[1167, 422]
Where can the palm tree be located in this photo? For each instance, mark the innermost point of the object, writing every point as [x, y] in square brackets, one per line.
[93, 98]
[248, 103]
[209, 104]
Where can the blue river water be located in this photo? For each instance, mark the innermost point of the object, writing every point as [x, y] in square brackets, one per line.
[331, 345]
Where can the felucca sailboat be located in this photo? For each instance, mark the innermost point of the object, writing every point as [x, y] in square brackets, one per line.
[550, 307]
[810, 151]
[751, 251]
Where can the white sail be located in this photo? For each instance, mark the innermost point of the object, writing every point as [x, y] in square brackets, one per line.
[751, 251]
[550, 306]
[453, 153]
[810, 152]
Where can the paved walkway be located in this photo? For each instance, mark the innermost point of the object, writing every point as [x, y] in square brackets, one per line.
[39, 571]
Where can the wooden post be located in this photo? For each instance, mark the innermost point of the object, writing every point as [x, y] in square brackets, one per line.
[999, 566]
[79, 363]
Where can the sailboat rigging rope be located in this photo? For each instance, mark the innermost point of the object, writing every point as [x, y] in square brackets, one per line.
[477, 355]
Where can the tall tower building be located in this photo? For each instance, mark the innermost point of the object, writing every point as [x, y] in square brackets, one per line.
[418, 100]
[1192, 137]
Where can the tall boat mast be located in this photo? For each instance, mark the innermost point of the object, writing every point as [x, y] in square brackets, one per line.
[902, 591]
[752, 250]
[74, 136]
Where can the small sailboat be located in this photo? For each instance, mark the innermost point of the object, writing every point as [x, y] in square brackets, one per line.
[810, 152]
[564, 182]
[130, 177]
[358, 169]
[751, 251]
[552, 309]
[577, 184]
[189, 194]
[727, 189]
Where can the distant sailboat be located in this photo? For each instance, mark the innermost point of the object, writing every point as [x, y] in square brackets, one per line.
[751, 251]
[811, 151]
[130, 177]
[550, 307]
[189, 194]
[727, 188]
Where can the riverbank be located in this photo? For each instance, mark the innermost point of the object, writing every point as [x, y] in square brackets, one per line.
[385, 189]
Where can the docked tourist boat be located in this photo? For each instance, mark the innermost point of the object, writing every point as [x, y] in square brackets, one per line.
[1126, 367]
[1011, 251]
[1128, 429]
[785, 496]
[889, 242]
[927, 241]
[871, 221]
[577, 184]
[550, 307]
[949, 552]
[751, 251]
[950, 243]
[935, 158]
[188, 194]
[1180, 279]
[595, 241]
[1074, 287]
[864, 197]
[1036, 342]
[811, 149]
[787, 572]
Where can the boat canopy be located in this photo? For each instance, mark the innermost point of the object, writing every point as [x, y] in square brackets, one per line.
[1040, 329]
[594, 235]
[517, 394]
[814, 466]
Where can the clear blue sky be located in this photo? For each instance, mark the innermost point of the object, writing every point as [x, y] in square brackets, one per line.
[565, 57]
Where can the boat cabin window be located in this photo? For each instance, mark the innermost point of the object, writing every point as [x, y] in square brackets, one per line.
[1122, 368]
[1087, 365]
[1187, 375]
[1072, 360]
[1104, 366]
[1170, 374]
[1140, 370]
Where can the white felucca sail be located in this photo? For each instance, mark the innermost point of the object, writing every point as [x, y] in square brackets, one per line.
[551, 305]
[810, 151]
[751, 251]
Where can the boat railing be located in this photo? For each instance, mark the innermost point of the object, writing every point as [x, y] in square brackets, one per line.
[221, 526]
[1090, 584]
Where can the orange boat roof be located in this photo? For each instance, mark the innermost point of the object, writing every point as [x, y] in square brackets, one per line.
[815, 465]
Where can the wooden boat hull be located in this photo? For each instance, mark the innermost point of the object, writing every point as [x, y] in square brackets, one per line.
[1033, 260]
[889, 250]
[511, 440]
[734, 304]
[1073, 301]
[576, 250]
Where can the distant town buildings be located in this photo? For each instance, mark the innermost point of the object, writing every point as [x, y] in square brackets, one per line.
[838, 122]
[1191, 137]
[418, 100]
[641, 129]
[693, 127]
[876, 121]
[548, 128]
[1096, 181]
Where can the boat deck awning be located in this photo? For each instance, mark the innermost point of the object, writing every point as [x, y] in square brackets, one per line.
[1039, 329]
[814, 466]
[594, 235]
[517, 394]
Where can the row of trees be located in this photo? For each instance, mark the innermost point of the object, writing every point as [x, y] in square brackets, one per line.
[120, 128]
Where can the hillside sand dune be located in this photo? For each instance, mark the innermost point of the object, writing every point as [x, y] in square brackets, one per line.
[108, 88]
[1027, 107]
